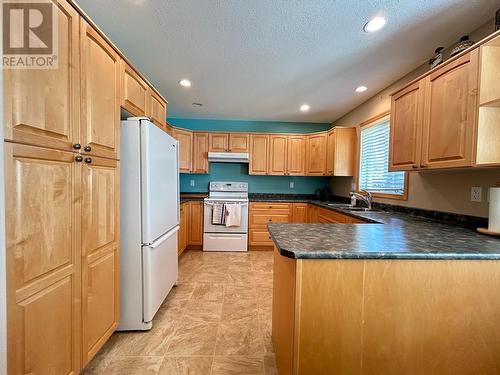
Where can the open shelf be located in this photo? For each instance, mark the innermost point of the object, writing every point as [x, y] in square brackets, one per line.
[489, 89]
[488, 136]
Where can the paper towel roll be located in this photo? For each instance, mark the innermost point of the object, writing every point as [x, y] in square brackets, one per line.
[494, 210]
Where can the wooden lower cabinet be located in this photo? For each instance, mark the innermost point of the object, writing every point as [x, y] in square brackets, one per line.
[195, 237]
[312, 213]
[260, 215]
[329, 216]
[62, 258]
[100, 259]
[386, 317]
[183, 227]
[43, 260]
[263, 213]
[299, 212]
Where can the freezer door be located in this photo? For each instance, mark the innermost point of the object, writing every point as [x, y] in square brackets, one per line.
[160, 182]
[159, 262]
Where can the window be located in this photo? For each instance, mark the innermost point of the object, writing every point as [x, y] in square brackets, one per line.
[374, 175]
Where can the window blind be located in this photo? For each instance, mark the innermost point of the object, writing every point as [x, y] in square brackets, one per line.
[374, 162]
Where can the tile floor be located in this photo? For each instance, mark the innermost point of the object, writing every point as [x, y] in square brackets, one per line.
[216, 321]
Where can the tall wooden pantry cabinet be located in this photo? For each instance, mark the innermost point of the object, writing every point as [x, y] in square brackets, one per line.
[61, 129]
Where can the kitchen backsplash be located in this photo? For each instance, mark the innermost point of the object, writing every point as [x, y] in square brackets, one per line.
[256, 184]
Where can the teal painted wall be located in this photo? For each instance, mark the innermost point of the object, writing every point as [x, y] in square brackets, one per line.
[239, 172]
[256, 184]
[248, 126]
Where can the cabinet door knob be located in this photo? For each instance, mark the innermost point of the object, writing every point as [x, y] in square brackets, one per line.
[78, 158]
[88, 160]
[77, 146]
[87, 148]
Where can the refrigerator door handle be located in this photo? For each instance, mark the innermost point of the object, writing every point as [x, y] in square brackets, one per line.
[163, 238]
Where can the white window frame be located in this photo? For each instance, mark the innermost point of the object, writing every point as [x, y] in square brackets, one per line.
[385, 117]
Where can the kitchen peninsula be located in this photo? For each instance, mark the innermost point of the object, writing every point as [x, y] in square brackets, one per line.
[397, 295]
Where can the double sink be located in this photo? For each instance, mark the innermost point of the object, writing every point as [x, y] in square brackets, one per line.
[348, 207]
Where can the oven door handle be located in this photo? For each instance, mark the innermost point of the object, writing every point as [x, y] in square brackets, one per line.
[222, 236]
[211, 204]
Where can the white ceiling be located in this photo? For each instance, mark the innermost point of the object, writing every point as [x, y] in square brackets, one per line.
[261, 59]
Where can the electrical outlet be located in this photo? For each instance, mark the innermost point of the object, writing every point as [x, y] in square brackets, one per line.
[191, 183]
[292, 184]
[475, 194]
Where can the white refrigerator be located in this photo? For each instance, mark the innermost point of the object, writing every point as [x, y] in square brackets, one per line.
[149, 183]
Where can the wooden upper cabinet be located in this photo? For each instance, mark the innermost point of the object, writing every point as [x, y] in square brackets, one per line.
[316, 154]
[43, 260]
[100, 261]
[200, 152]
[135, 92]
[330, 152]
[195, 223]
[41, 106]
[239, 142]
[277, 155]
[157, 109]
[296, 155]
[259, 151]
[185, 138]
[340, 151]
[450, 114]
[218, 142]
[406, 128]
[100, 112]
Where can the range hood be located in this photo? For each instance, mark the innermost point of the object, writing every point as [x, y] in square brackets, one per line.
[228, 157]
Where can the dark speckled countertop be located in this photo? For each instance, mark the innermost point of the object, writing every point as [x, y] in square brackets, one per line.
[390, 235]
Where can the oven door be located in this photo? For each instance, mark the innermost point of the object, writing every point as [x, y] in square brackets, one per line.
[208, 227]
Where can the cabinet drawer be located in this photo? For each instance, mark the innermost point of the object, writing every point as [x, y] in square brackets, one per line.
[260, 237]
[270, 206]
[262, 219]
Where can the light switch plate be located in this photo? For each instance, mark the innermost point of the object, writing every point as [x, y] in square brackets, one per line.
[292, 184]
[476, 194]
[191, 183]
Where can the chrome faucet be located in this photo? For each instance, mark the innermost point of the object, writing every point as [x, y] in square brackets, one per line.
[366, 197]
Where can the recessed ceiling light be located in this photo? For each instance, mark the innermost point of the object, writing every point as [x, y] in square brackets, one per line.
[361, 89]
[197, 105]
[305, 107]
[375, 24]
[185, 82]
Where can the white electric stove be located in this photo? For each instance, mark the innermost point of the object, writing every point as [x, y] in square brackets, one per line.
[217, 237]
